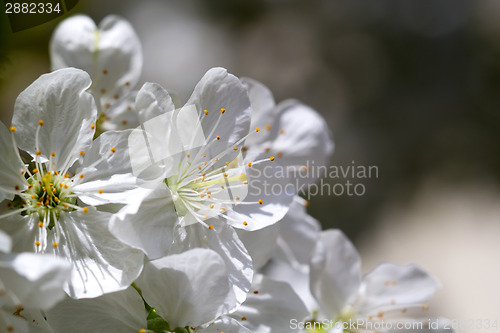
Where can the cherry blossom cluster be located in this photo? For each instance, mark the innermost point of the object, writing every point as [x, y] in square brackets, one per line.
[123, 209]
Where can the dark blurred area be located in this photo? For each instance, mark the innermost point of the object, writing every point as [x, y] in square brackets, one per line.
[409, 86]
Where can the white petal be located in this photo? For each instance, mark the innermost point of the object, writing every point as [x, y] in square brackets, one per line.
[121, 114]
[13, 323]
[268, 183]
[261, 244]
[152, 101]
[298, 279]
[36, 280]
[262, 102]
[298, 137]
[216, 90]
[23, 230]
[5, 242]
[224, 324]
[335, 272]
[10, 165]
[58, 99]
[223, 240]
[118, 312]
[112, 175]
[150, 226]
[299, 233]
[188, 288]
[271, 308]
[110, 53]
[390, 284]
[101, 262]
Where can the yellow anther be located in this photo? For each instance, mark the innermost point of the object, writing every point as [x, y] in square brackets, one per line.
[33, 196]
[66, 176]
[249, 164]
[206, 111]
[235, 148]
[40, 224]
[211, 226]
[206, 216]
[56, 199]
[101, 191]
[226, 174]
[222, 110]
[53, 154]
[37, 243]
[188, 155]
[82, 152]
[66, 206]
[218, 137]
[204, 155]
[245, 223]
[205, 162]
[272, 158]
[92, 126]
[245, 182]
[236, 198]
[12, 129]
[55, 244]
[85, 210]
[113, 149]
[81, 176]
[38, 153]
[56, 172]
[243, 318]
[223, 209]
[142, 330]
[260, 202]
[66, 186]
[40, 122]
[257, 129]
[211, 205]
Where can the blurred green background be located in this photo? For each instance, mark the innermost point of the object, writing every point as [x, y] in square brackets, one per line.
[410, 86]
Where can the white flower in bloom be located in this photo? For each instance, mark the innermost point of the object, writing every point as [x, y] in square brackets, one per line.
[205, 188]
[46, 210]
[188, 292]
[390, 293]
[112, 55]
[29, 283]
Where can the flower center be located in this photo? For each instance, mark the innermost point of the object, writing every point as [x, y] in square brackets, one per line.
[48, 195]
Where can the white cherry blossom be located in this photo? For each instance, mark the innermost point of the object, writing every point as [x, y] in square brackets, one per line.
[112, 55]
[49, 206]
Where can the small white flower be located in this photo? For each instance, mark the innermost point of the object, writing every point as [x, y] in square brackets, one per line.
[29, 283]
[112, 55]
[389, 293]
[189, 291]
[47, 208]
